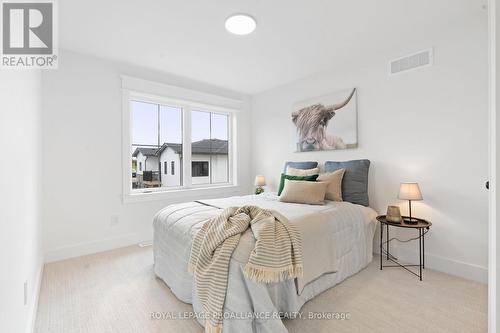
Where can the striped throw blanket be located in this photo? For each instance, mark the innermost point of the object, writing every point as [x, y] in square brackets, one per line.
[277, 255]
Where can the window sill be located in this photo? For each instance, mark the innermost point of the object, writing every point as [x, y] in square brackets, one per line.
[184, 194]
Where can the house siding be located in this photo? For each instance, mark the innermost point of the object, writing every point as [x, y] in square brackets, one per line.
[169, 180]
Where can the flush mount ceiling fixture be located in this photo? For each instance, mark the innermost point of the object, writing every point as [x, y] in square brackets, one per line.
[240, 24]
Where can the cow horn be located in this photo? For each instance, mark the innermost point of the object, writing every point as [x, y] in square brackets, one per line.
[341, 105]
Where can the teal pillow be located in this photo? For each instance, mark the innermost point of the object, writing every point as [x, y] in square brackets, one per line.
[305, 178]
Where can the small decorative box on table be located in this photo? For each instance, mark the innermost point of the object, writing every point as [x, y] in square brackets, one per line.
[422, 227]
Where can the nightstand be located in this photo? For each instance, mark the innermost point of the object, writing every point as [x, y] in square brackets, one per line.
[422, 226]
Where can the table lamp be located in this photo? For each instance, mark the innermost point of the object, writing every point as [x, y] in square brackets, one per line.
[410, 192]
[259, 182]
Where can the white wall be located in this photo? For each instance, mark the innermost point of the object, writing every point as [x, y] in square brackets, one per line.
[20, 235]
[82, 121]
[167, 178]
[151, 163]
[141, 163]
[217, 169]
[429, 126]
[148, 163]
[494, 230]
[496, 74]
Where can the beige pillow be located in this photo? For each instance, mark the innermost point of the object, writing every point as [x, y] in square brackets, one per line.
[298, 191]
[301, 172]
[334, 180]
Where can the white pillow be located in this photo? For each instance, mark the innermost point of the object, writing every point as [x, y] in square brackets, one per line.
[298, 191]
[301, 172]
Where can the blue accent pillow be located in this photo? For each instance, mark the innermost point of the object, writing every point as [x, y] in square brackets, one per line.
[355, 181]
[301, 165]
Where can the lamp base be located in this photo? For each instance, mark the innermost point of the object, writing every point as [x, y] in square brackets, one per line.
[259, 190]
[410, 220]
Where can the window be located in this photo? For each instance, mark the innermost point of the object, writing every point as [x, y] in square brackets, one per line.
[209, 143]
[199, 169]
[156, 138]
[160, 131]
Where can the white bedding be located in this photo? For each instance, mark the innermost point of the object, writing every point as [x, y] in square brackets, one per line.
[352, 228]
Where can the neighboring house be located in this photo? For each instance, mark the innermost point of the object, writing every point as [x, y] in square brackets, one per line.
[170, 155]
[146, 159]
[209, 162]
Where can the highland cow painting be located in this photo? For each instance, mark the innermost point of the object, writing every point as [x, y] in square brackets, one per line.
[326, 123]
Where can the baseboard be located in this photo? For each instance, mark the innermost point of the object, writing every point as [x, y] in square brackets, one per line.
[446, 265]
[34, 308]
[438, 263]
[82, 249]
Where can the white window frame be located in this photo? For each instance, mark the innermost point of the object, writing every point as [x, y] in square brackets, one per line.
[188, 100]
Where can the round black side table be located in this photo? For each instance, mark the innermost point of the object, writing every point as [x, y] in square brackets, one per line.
[422, 227]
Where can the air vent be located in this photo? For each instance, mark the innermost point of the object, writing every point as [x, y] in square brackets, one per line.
[411, 62]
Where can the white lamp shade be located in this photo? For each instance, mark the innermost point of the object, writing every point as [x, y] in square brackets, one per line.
[260, 181]
[410, 191]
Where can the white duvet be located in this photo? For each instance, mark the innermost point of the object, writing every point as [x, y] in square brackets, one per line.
[352, 229]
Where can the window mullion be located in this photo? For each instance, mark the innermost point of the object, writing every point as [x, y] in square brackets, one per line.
[210, 165]
[186, 146]
[158, 141]
[229, 148]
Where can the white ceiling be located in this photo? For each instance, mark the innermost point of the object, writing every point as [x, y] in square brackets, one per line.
[294, 38]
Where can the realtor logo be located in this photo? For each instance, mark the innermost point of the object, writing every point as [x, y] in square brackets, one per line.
[28, 35]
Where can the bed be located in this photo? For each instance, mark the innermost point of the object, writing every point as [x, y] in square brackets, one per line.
[351, 226]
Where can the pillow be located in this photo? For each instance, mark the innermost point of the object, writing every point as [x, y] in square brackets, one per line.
[303, 178]
[312, 193]
[334, 180]
[355, 181]
[301, 165]
[301, 172]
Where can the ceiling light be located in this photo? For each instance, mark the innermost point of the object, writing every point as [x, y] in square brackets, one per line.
[240, 24]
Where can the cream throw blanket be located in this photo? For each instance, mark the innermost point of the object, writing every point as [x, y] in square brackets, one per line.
[277, 255]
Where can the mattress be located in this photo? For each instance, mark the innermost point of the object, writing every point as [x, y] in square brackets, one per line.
[175, 226]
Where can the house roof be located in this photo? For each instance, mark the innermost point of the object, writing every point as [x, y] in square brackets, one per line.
[177, 147]
[145, 151]
[207, 146]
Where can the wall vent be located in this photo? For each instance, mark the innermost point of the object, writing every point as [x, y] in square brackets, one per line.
[411, 62]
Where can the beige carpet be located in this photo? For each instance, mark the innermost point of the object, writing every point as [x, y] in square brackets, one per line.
[116, 291]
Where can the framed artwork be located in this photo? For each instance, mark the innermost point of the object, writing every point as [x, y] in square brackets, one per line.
[327, 122]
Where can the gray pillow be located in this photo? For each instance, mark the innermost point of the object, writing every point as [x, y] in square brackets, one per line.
[301, 165]
[355, 181]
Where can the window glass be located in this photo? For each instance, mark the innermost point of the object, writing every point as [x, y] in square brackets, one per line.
[156, 139]
[199, 169]
[209, 148]
[220, 149]
[171, 144]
